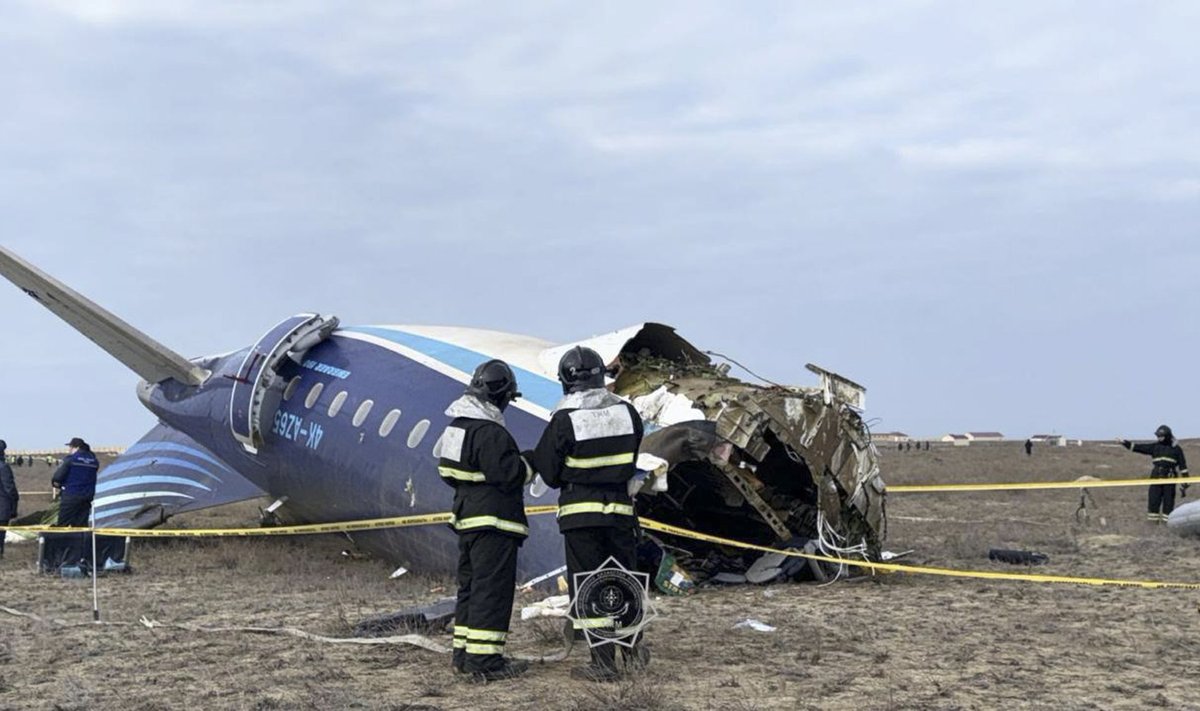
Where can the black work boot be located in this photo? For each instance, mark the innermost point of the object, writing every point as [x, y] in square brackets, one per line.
[506, 669]
[458, 659]
[602, 668]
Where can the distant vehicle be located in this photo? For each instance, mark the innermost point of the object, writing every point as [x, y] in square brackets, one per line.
[338, 423]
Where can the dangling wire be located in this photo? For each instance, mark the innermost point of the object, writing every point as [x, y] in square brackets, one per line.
[833, 544]
[751, 372]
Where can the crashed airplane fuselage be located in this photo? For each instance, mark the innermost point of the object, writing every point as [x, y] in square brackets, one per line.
[339, 424]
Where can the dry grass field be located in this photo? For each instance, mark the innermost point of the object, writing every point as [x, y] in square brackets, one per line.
[896, 641]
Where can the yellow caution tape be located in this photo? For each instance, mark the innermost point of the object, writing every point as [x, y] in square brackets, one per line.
[1016, 486]
[304, 529]
[921, 570]
[429, 519]
[1013, 486]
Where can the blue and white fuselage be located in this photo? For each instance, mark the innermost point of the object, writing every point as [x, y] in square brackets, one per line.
[353, 433]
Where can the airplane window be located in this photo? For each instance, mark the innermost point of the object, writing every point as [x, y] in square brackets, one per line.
[418, 433]
[364, 409]
[336, 405]
[385, 428]
[290, 390]
[314, 394]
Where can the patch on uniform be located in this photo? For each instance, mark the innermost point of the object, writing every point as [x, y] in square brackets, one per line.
[450, 445]
[611, 421]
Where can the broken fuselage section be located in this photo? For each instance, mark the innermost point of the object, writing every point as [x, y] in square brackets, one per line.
[769, 465]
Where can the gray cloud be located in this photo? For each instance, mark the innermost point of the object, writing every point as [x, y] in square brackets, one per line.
[963, 206]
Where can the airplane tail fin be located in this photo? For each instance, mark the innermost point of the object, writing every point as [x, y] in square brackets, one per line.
[143, 355]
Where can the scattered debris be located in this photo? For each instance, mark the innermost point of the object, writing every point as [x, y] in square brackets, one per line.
[728, 579]
[671, 579]
[269, 517]
[553, 606]
[542, 578]
[1016, 557]
[756, 625]
[431, 618]
[398, 572]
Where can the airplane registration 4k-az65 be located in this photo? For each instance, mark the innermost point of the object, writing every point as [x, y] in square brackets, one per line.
[339, 422]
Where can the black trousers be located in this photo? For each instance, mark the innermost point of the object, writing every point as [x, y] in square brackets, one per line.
[74, 510]
[1161, 496]
[587, 549]
[3, 534]
[487, 581]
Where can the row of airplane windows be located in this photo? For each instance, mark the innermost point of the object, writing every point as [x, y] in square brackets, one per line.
[360, 415]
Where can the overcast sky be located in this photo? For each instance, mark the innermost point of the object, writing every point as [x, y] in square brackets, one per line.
[984, 212]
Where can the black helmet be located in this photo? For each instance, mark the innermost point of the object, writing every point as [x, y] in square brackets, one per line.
[3, 445]
[494, 382]
[580, 369]
[1164, 432]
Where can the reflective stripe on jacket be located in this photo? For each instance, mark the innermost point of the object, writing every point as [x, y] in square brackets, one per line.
[588, 452]
[480, 459]
[1166, 459]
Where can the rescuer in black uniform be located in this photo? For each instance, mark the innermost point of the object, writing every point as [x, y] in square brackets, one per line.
[479, 458]
[588, 451]
[8, 495]
[1168, 462]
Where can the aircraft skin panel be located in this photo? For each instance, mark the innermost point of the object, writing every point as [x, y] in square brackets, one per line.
[516, 350]
[540, 394]
[164, 474]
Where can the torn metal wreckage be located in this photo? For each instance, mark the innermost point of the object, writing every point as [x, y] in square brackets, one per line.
[779, 466]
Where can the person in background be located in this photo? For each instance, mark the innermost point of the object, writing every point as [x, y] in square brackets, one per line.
[74, 484]
[8, 494]
[1028, 448]
[1167, 463]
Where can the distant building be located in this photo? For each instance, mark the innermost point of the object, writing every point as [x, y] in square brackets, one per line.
[889, 437]
[1054, 439]
[985, 436]
[958, 440]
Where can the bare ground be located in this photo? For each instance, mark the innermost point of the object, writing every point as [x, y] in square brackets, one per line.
[894, 641]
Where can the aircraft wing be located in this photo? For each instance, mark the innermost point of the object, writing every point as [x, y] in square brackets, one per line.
[164, 474]
[140, 353]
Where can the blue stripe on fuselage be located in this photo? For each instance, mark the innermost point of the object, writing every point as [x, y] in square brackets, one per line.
[126, 482]
[127, 464]
[535, 388]
[174, 447]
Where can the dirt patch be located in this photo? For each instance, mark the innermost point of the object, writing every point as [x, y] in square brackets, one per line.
[894, 641]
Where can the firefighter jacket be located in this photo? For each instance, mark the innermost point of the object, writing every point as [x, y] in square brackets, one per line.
[1167, 459]
[479, 458]
[77, 474]
[588, 451]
